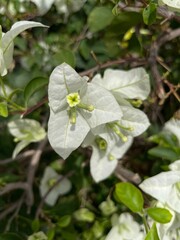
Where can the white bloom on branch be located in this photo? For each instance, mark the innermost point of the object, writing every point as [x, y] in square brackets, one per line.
[165, 187]
[76, 107]
[48, 180]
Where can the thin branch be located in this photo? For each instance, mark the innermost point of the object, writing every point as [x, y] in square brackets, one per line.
[18, 207]
[25, 154]
[22, 156]
[126, 175]
[9, 210]
[153, 58]
[13, 186]
[32, 170]
[91, 71]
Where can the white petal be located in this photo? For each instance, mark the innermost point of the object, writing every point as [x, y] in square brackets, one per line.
[15, 30]
[135, 118]
[61, 188]
[43, 5]
[65, 137]
[106, 107]
[175, 166]
[100, 165]
[129, 84]
[173, 126]
[160, 185]
[63, 80]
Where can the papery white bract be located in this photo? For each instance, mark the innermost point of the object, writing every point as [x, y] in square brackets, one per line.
[6, 43]
[69, 124]
[165, 188]
[173, 126]
[49, 178]
[128, 84]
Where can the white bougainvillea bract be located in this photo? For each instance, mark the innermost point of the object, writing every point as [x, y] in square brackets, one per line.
[97, 114]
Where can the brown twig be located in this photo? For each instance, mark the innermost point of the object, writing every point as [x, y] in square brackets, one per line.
[153, 58]
[31, 171]
[91, 71]
[13, 186]
[126, 175]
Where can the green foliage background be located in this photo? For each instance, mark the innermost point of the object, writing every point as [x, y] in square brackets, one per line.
[101, 34]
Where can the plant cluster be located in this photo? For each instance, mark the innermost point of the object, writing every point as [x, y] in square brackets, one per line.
[89, 120]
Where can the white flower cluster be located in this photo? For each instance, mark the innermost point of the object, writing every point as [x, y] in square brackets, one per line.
[97, 114]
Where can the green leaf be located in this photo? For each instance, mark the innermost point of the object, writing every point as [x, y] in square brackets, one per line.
[33, 86]
[64, 55]
[152, 234]
[64, 221]
[3, 109]
[130, 196]
[160, 215]
[100, 18]
[14, 92]
[149, 14]
[164, 152]
[51, 234]
[35, 225]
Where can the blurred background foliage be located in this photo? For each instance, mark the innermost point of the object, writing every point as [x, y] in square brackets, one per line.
[90, 37]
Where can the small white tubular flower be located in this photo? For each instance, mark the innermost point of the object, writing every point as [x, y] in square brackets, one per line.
[49, 179]
[132, 84]
[165, 188]
[75, 107]
[173, 5]
[126, 228]
[173, 126]
[7, 46]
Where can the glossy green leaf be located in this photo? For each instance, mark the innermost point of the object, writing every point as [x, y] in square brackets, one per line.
[149, 14]
[164, 153]
[3, 109]
[160, 215]
[33, 86]
[99, 18]
[130, 196]
[152, 234]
